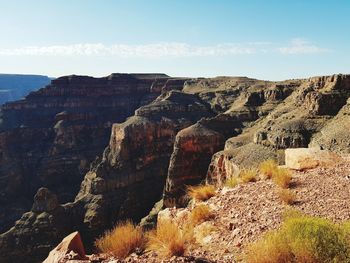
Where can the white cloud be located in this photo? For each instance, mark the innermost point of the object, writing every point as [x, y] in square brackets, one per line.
[302, 46]
[121, 50]
[166, 49]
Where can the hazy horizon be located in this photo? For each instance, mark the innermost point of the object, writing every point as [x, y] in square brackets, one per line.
[271, 40]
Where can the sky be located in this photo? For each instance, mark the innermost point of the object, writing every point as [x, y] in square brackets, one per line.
[264, 39]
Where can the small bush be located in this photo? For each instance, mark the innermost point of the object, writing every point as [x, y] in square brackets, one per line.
[268, 168]
[168, 239]
[316, 238]
[272, 248]
[201, 192]
[282, 177]
[123, 240]
[201, 213]
[287, 196]
[302, 239]
[231, 181]
[248, 175]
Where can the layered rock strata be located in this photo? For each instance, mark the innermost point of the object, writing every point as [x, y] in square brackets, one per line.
[196, 130]
[127, 181]
[50, 138]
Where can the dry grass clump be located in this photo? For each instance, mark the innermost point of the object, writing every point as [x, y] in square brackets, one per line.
[282, 177]
[168, 239]
[268, 168]
[201, 192]
[248, 175]
[201, 213]
[287, 196]
[302, 239]
[270, 249]
[231, 181]
[123, 240]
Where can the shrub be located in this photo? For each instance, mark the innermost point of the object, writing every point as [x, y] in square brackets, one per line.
[201, 213]
[317, 239]
[168, 239]
[287, 196]
[123, 240]
[282, 177]
[201, 192]
[272, 248]
[248, 175]
[231, 181]
[268, 168]
[302, 239]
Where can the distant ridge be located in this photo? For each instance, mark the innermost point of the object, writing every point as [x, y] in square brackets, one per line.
[16, 86]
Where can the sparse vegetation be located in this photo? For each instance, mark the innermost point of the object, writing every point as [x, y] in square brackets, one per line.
[270, 249]
[201, 192]
[282, 177]
[231, 181]
[268, 168]
[248, 175]
[302, 239]
[168, 239]
[123, 240]
[201, 213]
[287, 196]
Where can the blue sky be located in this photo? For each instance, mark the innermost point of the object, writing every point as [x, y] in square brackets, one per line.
[266, 39]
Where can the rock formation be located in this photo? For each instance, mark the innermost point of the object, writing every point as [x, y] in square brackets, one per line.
[50, 138]
[181, 132]
[71, 248]
[126, 182]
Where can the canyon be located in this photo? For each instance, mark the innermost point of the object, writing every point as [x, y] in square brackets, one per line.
[83, 152]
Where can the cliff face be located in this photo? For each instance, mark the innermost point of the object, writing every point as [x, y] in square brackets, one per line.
[180, 132]
[50, 138]
[124, 184]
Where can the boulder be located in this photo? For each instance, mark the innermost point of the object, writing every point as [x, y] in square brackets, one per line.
[70, 248]
[308, 158]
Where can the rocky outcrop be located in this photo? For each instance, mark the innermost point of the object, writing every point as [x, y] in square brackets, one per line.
[71, 248]
[131, 176]
[308, 158]
[221, 167]
[335, 135]
[305, 112]
[31, 237]
[50, 138]
[193, 149]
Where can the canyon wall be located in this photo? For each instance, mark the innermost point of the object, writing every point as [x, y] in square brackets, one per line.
[180, 132]
[50, 138]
